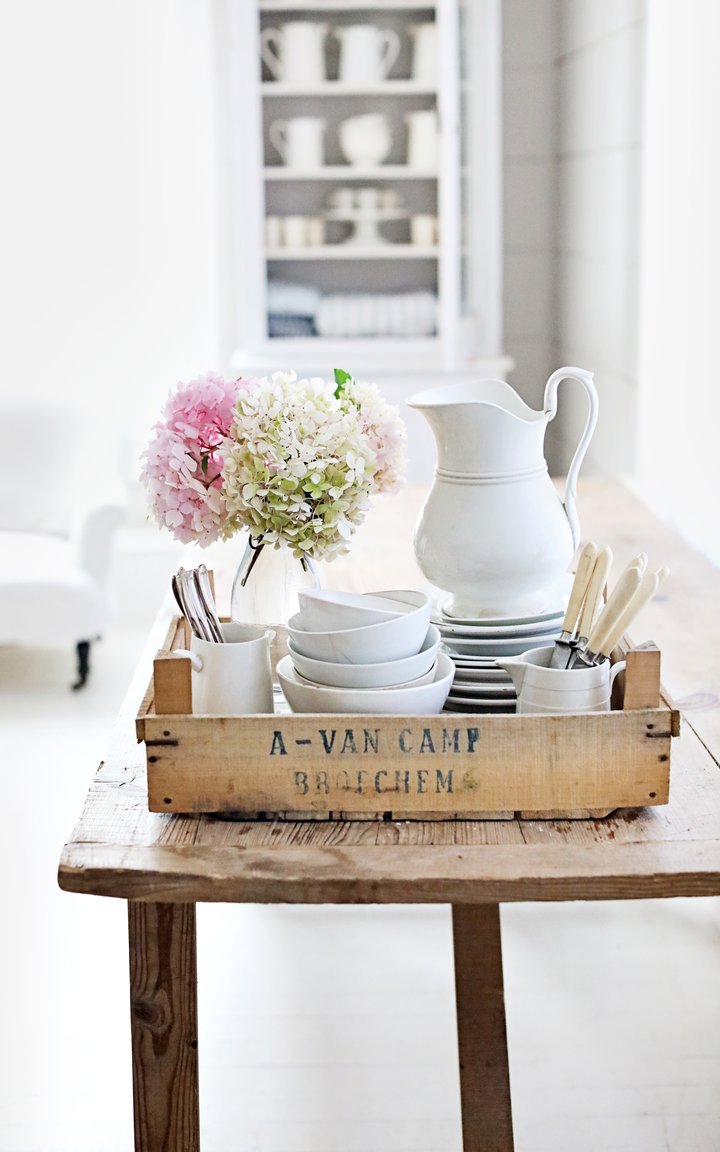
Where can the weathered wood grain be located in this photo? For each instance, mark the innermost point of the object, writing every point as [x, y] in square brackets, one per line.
[164, 1026]
[482, 1038]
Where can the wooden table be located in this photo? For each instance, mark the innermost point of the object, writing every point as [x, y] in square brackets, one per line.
[162, 865]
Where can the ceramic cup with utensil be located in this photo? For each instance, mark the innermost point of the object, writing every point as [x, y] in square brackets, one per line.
[233, 678]
[542, 688]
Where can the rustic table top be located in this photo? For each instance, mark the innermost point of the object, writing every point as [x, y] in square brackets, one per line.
[118, 848]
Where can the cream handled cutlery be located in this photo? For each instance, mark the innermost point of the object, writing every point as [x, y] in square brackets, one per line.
[619, 612]
[583, 573]
[594, 595]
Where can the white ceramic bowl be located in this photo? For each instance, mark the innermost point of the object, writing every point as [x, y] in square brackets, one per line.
[323, 612]
[385, 675]
[393, 639]
[407, 700]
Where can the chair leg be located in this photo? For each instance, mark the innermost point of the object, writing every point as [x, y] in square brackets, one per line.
[83, 663]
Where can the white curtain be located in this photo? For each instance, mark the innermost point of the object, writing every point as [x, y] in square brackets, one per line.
[679, 400]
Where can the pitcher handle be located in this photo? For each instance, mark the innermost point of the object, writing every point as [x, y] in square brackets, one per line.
[270, 48]
[550, 406]
[390, 50]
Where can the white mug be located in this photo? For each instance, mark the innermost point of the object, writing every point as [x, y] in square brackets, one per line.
[299, 140]
[544, 689]
[424, 53]
[295, 53]
[295, 231]
[235, 678]
[273, 231]
[422, 139]
[342, 199]
[315, 231]
[367, 53]
[365, 140]
[423, 230]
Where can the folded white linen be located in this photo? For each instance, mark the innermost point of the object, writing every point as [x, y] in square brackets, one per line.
[286, 299]
[377, 314]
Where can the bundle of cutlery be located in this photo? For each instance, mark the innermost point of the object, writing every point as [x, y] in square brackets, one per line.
[194, 596]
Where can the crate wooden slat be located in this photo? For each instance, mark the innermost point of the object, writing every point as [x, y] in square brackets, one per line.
[447, 766]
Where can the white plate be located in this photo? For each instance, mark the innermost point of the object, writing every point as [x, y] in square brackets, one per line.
[483, 631]
[500, 621]
[492, 691]
[455, 704]
[481, 675]
[466, 646]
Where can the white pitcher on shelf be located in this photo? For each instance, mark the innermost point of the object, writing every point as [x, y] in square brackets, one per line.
[367, 53]
[295, 53]
[300, 140]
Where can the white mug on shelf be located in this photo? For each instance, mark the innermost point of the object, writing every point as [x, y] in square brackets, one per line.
[422, 147]
[423, 230]
[424, 53]
[365, 140]
[234, 678]
[315, 231]
[295, 232]
[341, 199]
[295, 53]
[299, 141]
[273, 231]
[367, 53]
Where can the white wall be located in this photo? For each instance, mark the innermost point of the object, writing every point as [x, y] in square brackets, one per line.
[107, 276]
[600, 68]
[678, 459]
[529, 39]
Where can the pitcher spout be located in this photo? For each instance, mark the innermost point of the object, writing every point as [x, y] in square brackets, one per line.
[516, 667]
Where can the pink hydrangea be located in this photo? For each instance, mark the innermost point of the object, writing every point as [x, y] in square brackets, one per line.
[183, 463]
[383, 431]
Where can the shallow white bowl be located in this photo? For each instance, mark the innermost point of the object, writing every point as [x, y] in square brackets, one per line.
[408, 700]
[426, 678]
[393, 639]
[321, 613]
[385, 675]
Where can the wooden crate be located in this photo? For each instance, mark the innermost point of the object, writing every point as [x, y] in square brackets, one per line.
[447, 766]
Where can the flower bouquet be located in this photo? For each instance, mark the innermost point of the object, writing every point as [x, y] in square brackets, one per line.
[292, 462]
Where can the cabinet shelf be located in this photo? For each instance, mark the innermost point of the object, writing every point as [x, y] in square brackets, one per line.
[335, 88]
[345, 6]
[350, 172]
[355, 252]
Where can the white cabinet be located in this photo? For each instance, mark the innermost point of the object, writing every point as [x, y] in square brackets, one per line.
[361, 220]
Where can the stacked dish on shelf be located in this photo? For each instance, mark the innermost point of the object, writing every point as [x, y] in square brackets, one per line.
[474, 645]
[364, 653]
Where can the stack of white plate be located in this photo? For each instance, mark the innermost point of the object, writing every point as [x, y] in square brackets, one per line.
[474, 645]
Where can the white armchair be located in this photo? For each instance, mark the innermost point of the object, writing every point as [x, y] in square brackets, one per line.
[55, 544]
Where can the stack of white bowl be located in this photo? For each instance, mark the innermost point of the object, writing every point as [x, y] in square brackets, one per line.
[365, 653]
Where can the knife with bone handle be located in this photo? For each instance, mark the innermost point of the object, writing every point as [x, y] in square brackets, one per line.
[583, 572]
[593, 596]
[627, 582]
[624, 612]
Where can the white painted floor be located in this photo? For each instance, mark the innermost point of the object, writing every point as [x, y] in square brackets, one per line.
[329, 1029]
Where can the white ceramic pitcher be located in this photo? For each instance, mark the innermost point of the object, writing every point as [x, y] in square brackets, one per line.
[295, 53]
[422, 139]
[367, 53]
[424, 52]
[493, 530]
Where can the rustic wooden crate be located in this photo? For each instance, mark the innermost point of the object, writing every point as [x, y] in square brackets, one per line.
[447, 766]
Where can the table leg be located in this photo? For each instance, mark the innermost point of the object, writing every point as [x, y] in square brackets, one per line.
[163, 1014]
[482, 1039]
